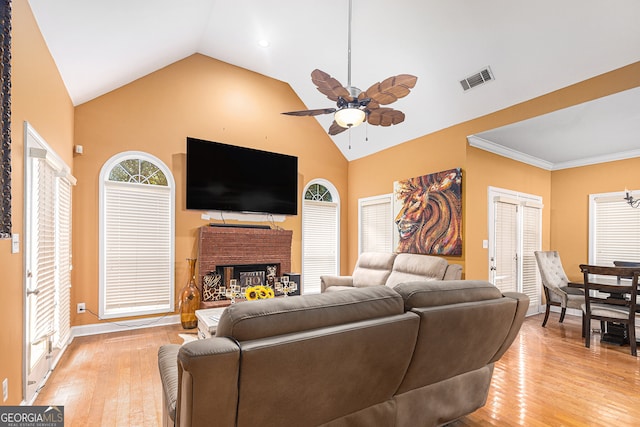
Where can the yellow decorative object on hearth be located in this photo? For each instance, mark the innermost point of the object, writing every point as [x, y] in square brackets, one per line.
[259, 292]
[190, 299]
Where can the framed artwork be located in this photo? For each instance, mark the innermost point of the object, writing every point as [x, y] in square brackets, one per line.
[5, 118]
[428, 214]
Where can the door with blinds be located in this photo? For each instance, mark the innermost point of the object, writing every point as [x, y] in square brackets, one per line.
[320, 231]
[47, 247]
[515, 233]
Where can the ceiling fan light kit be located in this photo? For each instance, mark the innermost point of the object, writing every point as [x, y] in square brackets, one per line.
[349, 117]
[354, 107]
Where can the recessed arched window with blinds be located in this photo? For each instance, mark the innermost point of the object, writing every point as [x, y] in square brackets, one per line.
[320, 234]
[137, 236]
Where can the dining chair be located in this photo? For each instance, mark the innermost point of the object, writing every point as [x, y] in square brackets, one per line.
[618, 305]
[556, 285]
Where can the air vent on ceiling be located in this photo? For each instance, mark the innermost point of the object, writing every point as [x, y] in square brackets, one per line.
[477, 79]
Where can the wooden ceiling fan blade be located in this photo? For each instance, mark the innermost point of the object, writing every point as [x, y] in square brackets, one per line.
[385, 117]
[329, 86]
[391, 89]
[317, 112]
[335, 128]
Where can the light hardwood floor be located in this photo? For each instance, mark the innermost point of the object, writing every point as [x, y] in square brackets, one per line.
[546, 378]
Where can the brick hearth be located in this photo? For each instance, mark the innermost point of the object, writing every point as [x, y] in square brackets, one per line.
[225, 246]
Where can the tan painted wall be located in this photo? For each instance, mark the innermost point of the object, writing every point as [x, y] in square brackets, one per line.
[440, 151]
[40, 97]
[203, 98]
[570, 206]
[374, 175]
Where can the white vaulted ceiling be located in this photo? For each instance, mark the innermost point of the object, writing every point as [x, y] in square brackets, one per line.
[532, 48]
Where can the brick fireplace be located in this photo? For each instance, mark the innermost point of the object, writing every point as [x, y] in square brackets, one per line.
[220, 247]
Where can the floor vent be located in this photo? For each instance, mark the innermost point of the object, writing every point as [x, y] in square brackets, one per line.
[477, 79]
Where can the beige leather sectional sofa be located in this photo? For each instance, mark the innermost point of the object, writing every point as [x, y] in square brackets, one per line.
[419, 354]
[390, 269]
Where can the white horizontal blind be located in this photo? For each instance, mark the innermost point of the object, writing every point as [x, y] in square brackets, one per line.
[320, 241]
[44, 251]
[64, 263]
[615, 230]
[531, 242]
[376, 224]
[506, 215]
[137, 249]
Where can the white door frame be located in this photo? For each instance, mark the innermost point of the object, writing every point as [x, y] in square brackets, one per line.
[518, 199]
[35, 146]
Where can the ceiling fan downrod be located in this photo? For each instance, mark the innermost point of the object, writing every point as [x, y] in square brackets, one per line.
[349, 49]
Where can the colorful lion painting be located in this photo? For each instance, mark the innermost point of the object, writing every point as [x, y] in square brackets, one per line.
[429, 214]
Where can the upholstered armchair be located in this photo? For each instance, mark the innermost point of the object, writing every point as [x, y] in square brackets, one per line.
[556, 285]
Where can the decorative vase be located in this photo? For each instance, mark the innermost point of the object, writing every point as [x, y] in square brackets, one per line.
[190, 299]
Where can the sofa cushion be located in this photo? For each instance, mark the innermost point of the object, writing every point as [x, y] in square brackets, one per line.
[373, 268]
[277, 316]
[411, 267]
[335, 288]
[444, 292]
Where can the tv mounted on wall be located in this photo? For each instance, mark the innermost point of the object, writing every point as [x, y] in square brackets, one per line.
[222, 177]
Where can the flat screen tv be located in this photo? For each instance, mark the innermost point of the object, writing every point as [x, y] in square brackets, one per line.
[222, 177]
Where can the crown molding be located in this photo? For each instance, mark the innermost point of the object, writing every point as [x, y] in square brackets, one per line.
[597, 159]
[503, 151]
[519, 156]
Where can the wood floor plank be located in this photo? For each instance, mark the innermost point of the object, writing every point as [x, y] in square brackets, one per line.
[547, 378]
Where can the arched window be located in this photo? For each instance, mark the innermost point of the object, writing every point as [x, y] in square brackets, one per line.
[137, 199]
[318, 192]
[320, 233]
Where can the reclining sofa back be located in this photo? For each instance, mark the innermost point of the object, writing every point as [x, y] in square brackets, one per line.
[390, 269]
[465, 326]
[421, 354]
[348, 351]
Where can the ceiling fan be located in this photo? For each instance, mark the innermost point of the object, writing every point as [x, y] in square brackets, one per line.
[353, 106]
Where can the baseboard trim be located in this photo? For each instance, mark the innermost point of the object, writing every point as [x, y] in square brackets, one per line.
[125, 325]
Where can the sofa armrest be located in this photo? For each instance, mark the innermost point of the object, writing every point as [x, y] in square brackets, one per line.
[327, 281]
[208, 372]
[168, 366]
[453, 272]
[522, 301]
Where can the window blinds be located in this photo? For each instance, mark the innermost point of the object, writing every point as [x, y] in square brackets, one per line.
[64, 262]
[531, 242]
[44, 251]
[376, 224]
[506, 216]
[615, 232]
[137, 249]
[320, 231]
